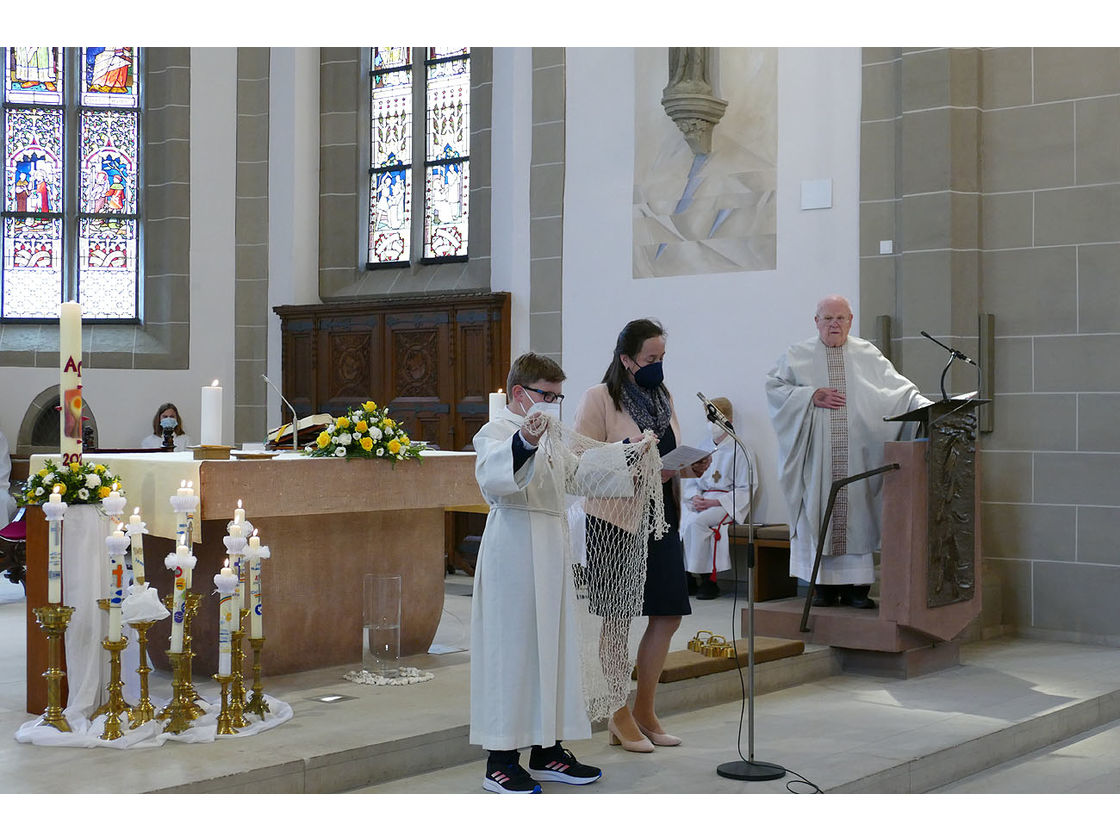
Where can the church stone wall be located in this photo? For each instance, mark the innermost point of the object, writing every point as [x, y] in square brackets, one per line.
[995, 174]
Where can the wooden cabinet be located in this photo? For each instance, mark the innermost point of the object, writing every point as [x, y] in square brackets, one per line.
[432, 359]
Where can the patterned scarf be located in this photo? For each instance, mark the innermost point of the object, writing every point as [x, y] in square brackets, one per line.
[649, 409]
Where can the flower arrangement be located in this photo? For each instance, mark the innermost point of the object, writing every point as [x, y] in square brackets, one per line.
[364, 432]
[78, 483]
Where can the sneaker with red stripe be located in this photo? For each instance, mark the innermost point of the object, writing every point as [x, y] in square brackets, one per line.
[557, 764]
[509, 778]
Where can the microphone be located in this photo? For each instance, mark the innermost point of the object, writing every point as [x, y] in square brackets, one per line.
[956, 353]
[295, 417]
[714, 414]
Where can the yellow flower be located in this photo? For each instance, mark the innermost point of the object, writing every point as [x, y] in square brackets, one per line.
[405, 440]
[370, 406]
[342, 422]
[323, 439]
[367, 444]
[394, 446]
[42, 473]
[75, 466]
[103, 491]
[389, 423]
[100, 468]
[361, 426]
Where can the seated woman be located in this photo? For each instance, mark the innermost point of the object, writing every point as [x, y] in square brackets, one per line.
[167, 413]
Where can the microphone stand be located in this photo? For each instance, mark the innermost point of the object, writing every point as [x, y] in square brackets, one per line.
[748, 770]
[295, 417]
[953, 354]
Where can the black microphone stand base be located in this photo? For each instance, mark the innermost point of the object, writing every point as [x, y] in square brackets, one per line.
[750, 771]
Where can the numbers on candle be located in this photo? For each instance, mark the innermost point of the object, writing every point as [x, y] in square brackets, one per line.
[69, 458]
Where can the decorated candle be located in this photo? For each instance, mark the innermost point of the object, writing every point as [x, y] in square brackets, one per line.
[237, 559]
[211, 427]
[54, 510]
[497, 403]
[136, 533]
[116, 543]
[70, 382]
[239, 514]
[184, 553]
[255, 552]
[180, 563]
[226, 583]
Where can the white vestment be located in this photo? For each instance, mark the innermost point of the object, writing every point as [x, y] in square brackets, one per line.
[182, 442]
[7, 501]
[729, 471]
[526, 681]
[808, 462]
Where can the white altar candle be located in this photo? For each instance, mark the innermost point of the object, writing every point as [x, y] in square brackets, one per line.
[256, 622]
[226, 583]
[497, 403]
[211, 426]
[239, 514]
[116, 588]
[137, 537]
[70, 382]
[54, 545]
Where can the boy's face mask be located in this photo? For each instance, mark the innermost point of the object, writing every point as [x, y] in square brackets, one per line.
[551, 409]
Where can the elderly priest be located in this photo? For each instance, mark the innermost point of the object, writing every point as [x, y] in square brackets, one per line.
[827, 397]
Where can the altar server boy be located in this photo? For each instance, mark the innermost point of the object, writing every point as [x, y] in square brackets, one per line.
[721, 495]
[526, 683]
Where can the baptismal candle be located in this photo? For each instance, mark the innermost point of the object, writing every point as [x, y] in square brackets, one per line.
[184, 554]
[238, 572]
[70, 382]
[256, 622]
[226, 583]
[179, 605]
[54, 547]
[239, 514]
[211, 426]
[116, 590]
[137, 546]
[497, 403]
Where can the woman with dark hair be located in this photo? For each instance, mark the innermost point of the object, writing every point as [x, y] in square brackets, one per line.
[167, 412]
[631, 399]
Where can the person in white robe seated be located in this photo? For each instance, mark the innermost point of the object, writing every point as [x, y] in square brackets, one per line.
[827, 398]
[720, 496]
[167, 418]
[7, 500]
[526, 680]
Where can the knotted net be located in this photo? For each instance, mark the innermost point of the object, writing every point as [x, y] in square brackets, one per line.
[615, 506]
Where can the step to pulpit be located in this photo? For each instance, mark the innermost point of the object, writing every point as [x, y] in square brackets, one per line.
[867, 643]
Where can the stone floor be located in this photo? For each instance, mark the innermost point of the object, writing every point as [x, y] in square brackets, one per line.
[1017, 716]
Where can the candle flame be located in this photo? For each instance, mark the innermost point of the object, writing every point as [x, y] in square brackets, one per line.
[499, 390]
[255, 531]
[190, 484]
[116, 486]
[57, 488]
[239, 503]
[137, 511]
[214, 384]
[183, 483]
[226, 563]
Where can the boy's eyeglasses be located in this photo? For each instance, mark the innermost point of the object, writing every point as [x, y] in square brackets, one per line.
[549, 396]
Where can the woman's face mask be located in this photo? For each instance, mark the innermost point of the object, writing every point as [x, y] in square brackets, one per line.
[168, 422]
[651, 375]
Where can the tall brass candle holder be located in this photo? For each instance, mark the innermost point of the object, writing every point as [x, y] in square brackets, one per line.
[194, 710]
[144, 711]
[237, 692]
[177, 712]
[53, 620]
[225, 719]
[257, 705]
[115, 705]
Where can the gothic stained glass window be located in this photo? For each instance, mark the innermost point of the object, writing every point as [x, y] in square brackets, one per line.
[72, 161]
[406, 122]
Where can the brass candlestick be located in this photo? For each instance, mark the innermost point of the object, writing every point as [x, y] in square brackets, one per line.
[143, 711]
[53, 619]
[225, 719]
[237, 692]
[177, 712]
[115, 705]
[257, 705]
[191, 602]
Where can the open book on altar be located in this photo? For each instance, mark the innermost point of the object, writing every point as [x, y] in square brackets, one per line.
[306, 427]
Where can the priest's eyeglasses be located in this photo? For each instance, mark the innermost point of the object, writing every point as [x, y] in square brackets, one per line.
[549, 396]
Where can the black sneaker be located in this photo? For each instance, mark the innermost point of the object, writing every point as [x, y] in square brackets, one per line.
[557, 764]
[510, 778]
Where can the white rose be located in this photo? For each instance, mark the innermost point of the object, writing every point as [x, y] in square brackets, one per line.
[83, 494]
[92, 481]
[309, 448]
[49, 479]
[340, 452]
[355, 416]
[330, 429]
[344, 439]
[375, 433]
[334, 440]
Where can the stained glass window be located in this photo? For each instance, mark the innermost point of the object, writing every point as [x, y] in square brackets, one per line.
[71, 181]
[419, 109]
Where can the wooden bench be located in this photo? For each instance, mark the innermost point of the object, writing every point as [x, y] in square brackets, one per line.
[771, 569]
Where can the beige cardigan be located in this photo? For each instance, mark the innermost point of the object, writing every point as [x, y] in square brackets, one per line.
[597, 418]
